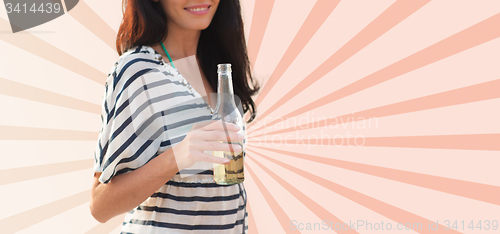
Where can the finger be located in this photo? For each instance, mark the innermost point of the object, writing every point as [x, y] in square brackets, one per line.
[219, 146]
[221, 125]
[202, 124]
[199, 156]
[218, 135]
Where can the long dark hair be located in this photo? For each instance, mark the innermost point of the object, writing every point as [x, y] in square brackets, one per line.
[222, 42]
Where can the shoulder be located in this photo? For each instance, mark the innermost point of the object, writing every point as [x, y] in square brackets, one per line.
[137, 67]
[138, 54]
[136, 62]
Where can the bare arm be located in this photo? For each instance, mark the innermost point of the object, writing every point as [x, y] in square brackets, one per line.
[126, 191]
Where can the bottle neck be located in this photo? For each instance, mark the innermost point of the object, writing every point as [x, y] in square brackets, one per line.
[225, 94]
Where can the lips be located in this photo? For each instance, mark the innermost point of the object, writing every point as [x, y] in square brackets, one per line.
[198, 9]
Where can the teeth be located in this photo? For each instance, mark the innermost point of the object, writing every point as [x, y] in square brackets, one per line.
[198, 9]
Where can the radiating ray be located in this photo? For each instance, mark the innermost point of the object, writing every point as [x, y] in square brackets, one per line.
[475, 35]
[38, 134]
[465, 142]
[94, 23]
[260, 19]
[252, 226]
[392, 16]
[472, 190]
[478, 92]
[462, 142]
[39, 214]
[271, 201]
[108, 226]
[313, 206]
[317, 16]
[19, 90]
[16, 175]
[44, 50]
[397, 214]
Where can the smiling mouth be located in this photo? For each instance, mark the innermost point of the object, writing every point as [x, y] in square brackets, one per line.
[197, 9]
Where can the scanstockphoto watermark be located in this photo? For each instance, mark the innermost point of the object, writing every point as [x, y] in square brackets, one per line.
[290, 132]
[356, 225]
[310, 120]
[367, 225]
[25, 14]
[310, 140]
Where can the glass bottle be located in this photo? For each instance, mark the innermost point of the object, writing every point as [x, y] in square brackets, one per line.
[227, 111]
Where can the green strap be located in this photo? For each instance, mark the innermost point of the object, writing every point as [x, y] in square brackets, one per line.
[168, 55]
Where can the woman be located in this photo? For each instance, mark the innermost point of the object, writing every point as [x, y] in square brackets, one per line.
[155, 125]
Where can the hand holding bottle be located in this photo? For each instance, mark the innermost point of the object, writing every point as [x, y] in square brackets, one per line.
[203, 136]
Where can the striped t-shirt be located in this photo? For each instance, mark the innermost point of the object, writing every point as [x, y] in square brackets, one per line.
[147, 108]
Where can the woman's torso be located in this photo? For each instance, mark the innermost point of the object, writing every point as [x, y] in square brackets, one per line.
[190, 202]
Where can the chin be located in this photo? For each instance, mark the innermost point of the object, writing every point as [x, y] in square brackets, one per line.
[199, 26]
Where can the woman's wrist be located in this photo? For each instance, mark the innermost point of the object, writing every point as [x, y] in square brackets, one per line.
[169, 165]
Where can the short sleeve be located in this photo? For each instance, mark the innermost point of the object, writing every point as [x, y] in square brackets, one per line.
[132, 129]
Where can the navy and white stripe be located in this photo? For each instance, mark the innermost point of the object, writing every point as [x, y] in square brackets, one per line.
[147, 108]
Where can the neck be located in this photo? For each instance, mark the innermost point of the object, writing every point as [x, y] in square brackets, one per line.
[225, 95]
[181, 43]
